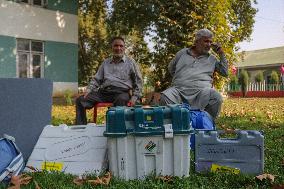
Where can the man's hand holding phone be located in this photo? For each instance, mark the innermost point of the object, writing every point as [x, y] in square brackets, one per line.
[217, 48]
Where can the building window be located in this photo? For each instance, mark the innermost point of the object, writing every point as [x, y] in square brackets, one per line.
[30, 58]
[41, 3]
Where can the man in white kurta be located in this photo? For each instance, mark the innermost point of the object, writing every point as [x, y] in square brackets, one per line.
[192, 71]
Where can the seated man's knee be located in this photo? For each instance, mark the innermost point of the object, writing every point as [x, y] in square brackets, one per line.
[79, 99]
[164, 100]
[215, 102]
[170, 96]
[217, 97]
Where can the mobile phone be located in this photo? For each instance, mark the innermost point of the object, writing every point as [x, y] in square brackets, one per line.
[215, 46]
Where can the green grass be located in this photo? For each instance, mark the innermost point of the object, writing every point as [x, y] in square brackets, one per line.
[247, 114]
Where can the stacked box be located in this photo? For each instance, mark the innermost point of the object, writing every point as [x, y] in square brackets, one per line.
[244, 154]
[78, 150]
[143, 141]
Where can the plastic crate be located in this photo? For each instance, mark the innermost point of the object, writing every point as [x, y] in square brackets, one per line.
[76, 149]
[143, 141]
[244, 154]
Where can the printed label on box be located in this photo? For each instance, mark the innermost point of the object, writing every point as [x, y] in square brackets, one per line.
[52, 166]
[222, 168]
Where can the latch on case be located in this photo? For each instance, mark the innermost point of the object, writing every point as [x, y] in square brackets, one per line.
[169, 131]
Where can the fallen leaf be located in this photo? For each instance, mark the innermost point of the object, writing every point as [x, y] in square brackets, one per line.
[266, 176]
[95, 182]
[25, 179]
[229, 131]
[242, 112]
[32, 168]
[19, 180]
[78, 181]
[282, 162]
[269, 114]
[249, 187]
[14, 187]
[166, 178]
[278, 186]
[253, 119]
[36, 185]
[15, 180]
[106, 178]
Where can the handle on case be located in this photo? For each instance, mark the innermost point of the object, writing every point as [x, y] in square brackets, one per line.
[9, 137]
[238, 133]
[78, 127]
[225, 133]
[157, 113]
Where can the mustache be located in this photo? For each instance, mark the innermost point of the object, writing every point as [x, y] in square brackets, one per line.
[118, 55]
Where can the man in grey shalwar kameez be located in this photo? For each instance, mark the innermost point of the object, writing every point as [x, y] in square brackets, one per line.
[192, 71]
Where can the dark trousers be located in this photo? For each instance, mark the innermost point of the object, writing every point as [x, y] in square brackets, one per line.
[119, 97]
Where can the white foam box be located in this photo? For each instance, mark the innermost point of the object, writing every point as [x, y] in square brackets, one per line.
[78, 150]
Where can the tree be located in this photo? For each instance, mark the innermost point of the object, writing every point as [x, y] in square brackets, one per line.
[274, 78]
[259, 76]
[173, 23]
[93, 37]
[233, 82]
[243, 80]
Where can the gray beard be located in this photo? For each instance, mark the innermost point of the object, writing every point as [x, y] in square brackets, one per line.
[117, 55]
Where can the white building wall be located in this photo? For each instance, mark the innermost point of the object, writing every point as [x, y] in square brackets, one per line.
[31, 22]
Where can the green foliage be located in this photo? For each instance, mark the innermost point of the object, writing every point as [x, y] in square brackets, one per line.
[233, 80]
[68, 97]
[93, 38]
[138, 50]
[259, 77]
[243, 80]
[274, 78]
[171, 25]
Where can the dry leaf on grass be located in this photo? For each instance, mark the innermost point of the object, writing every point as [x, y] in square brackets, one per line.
[105, 180]
[266, 176]
[281, 186]
[269, 114]
[166, 178]
[19, 180]
[36, 185]
[15, 180]
[25, 179]
[95, 182]
[229, 131]
[253, 119]
[14, 187]
[78, 181]
[282, 162]
[32, 168]
[242, 112]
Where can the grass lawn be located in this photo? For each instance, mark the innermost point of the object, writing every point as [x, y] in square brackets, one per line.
[247, 114]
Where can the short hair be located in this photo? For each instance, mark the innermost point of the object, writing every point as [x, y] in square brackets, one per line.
[203, 33]
[115, 38]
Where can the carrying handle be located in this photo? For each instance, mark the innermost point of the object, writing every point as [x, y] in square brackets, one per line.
[157, 113]
[228, 134]
[66, 127]
[77, 127]
[236, 133]
[8, 137]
